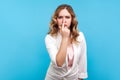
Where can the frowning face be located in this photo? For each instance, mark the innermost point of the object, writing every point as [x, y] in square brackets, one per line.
[64, 17]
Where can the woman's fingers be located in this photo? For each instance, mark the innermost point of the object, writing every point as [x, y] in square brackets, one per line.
[62, 26]
[65, 31]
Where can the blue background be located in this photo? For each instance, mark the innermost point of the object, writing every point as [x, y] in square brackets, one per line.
[24, 24]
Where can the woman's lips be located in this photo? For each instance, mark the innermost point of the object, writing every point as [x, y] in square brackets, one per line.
[65, 25]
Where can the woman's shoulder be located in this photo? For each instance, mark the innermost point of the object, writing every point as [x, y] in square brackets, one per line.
[81, 36]
[49, 37]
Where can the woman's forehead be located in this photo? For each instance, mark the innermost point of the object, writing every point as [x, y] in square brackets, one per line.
[64, 12]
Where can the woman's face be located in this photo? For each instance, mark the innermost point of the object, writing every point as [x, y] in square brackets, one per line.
[64, 17]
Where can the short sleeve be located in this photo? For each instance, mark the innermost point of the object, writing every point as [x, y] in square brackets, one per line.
[83, 58]
[51, 46]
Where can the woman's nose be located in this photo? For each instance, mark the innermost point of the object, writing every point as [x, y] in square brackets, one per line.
[63, 21]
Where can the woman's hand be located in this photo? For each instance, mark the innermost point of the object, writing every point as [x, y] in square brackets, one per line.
[65, 32]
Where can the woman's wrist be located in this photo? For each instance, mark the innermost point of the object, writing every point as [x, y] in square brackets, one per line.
[65, 38]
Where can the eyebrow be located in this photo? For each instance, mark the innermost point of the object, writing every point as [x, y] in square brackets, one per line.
[65, 16]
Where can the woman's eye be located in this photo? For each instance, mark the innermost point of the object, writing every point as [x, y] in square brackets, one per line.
[59, 17]
[67, 17]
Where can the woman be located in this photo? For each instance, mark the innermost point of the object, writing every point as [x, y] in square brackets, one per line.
[66, 47]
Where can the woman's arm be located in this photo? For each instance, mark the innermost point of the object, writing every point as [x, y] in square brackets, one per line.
[83, 58]
[61, 55]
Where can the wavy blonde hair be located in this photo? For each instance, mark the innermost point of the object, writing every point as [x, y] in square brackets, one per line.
[53, 30]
